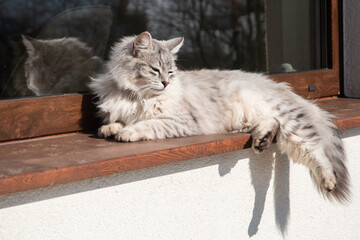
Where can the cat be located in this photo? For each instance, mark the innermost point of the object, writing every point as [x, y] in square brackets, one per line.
[59, 65]
[143, 96]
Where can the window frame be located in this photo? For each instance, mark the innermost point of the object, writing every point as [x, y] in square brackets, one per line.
[48, 115]
[327, 80]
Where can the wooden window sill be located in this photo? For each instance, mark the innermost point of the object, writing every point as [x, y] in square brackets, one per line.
[47, 161]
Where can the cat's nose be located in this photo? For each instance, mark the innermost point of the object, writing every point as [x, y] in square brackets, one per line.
[165, 83]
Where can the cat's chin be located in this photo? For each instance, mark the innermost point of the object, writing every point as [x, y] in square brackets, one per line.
[158, 91]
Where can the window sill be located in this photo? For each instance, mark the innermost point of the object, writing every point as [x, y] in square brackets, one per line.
[47, 161]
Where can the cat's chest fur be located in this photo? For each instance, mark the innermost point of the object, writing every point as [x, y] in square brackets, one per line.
[153, 108]
[134, 111]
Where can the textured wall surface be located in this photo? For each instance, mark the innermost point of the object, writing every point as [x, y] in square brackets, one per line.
[236, 195]
[351, 20]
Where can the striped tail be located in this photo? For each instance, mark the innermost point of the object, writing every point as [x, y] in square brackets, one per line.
[310, 137]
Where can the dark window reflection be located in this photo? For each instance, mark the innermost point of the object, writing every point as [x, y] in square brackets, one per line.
[54, 46]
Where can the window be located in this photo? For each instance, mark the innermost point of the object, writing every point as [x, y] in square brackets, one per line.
[50, 48]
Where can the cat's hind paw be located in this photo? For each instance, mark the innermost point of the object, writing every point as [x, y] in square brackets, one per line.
[263, 134]
[328, 182]
[109, 130]
[261, 144]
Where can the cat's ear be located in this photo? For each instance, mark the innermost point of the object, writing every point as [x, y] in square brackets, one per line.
[143, 41]
[28, 43]
[175, 44]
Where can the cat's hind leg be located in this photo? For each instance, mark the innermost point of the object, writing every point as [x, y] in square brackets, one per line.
[109, 130]
[263, 134]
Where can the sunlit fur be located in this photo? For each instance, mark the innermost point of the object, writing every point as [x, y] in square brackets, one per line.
[135, 106]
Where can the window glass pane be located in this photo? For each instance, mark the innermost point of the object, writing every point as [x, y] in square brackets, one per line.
[53, 46]
[295, 35]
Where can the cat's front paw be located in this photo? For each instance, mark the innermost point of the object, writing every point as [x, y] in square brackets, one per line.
[109, 130]
[127, 135]
[130, 134]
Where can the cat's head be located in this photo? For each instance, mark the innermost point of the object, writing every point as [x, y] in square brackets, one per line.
[145, 65]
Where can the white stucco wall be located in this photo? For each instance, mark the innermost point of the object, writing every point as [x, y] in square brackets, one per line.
[236, 195]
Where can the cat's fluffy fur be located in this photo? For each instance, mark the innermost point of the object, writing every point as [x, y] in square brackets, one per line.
[142, 96]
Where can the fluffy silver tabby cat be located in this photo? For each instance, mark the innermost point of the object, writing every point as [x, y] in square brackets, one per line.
[59, 65]
[143, 96]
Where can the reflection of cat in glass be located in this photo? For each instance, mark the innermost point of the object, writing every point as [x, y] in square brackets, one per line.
[59, 65]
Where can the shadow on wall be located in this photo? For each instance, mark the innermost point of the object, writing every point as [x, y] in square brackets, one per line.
[261, 171]
[261, 168]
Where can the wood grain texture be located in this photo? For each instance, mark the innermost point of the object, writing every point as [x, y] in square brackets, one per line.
[335, 37]
[35, 163]
[345, 110]
[326, 82]
[34, 117]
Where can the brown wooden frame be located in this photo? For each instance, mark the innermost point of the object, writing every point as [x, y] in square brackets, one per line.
[327, 81]
[32, 117]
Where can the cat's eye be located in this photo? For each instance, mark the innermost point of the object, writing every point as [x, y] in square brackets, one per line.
[155, 69]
